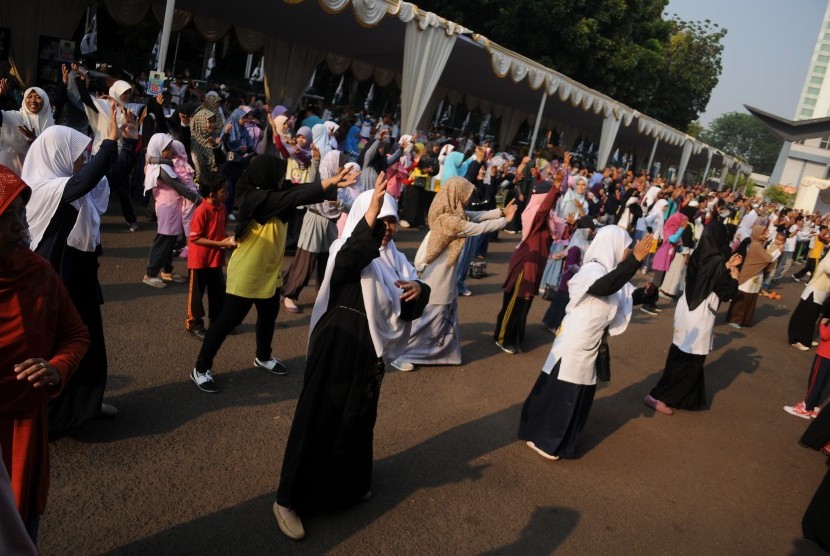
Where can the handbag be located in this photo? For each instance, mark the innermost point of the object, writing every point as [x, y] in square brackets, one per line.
[604, 359]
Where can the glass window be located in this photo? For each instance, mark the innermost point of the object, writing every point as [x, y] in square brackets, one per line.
[809, 102]
[827, 36]
[806, 112]
[821, 59]
[825, 47]
[819, 69]
[816, 80]
[824, 143]
[813, 91]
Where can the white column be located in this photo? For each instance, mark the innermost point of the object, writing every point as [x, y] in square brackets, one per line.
[684, 160]
[538, 122]
[708, 165]
[778, 171]
[653, 152]
[165, 33]
[610, 127]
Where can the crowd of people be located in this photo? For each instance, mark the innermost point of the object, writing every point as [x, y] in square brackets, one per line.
[335, 193]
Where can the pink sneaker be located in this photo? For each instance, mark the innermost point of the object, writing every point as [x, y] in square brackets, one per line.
[800, 411]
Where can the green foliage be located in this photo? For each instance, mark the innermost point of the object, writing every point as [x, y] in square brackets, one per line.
[665, 68]
[694, 129]
[776, 194]
[744, 136]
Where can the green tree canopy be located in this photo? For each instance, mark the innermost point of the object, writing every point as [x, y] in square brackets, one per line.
[627, 49]
[745, 136]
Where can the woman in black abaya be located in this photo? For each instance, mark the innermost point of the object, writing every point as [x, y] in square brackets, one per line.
[362, 317]
[710, 279]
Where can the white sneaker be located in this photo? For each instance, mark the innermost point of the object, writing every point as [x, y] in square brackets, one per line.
[402, 365]
[799, 346]
[204, 381]
[403, 224]
[273, 365]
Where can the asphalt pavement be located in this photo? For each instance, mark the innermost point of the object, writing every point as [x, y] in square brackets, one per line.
[180, 471]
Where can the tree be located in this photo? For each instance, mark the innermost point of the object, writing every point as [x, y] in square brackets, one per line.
[776, 194]
[627, 49]
[744, 136]
[690, 70]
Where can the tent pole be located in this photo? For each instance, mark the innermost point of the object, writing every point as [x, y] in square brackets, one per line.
[165, 33]
[538, 123]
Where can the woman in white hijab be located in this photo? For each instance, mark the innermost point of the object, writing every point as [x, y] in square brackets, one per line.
[65, 211]
[361, 320]
[99, 112]
[600, 300]
[19, 128]
[573, 202]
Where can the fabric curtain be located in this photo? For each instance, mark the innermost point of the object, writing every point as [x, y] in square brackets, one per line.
[338, 64]
[361, 70]
[610, 127]
[383, 77]
[28, 20]
[288, 68]
[251, 41]
[428, 115]
[509, 126]
[425, 55]
[126, 12]
[212, 30]
[181, 18]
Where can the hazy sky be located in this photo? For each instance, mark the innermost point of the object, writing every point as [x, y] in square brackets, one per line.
[766, 52]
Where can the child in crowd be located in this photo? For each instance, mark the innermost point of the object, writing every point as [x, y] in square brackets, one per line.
[819, 373]
[206, 255]
[775, 250]
[815, 254]
[169, 193]
[185, 172]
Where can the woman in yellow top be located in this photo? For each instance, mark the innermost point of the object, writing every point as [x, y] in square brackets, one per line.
[816, 252]
[254, 271]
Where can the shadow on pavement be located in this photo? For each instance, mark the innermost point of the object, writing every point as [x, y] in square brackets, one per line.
[452, 457]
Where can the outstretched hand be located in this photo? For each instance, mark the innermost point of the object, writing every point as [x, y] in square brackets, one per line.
[643, 247]
[510, 210]
[376, 204]
[342, 179]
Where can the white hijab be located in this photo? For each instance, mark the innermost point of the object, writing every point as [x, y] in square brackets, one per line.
[381, 297]
[100, 120]
[157, 143]
[47, 169]
[320, 137]
[13, 144]
[602, 256]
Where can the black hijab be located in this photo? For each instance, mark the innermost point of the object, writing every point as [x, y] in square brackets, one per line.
[263, 176]
[707, 265]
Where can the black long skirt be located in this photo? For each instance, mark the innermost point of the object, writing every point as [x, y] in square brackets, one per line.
[802, 326]
[512, 319]
[556, 311]
[555, 413]
[814, 525]
[817, 435]
[682, 384]
[328, 457]
[81, 398]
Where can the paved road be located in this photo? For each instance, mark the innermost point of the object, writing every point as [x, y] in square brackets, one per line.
[184, 472]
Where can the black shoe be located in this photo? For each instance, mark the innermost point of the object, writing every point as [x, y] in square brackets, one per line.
[649, 310]
[204, 381]
[197, 332]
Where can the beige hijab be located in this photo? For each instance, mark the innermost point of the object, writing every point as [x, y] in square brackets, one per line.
[447, 219]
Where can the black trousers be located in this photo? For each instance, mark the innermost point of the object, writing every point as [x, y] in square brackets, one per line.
[234, 309]
[810, 266]
[414, 206]
[161, 255]
[211, 280]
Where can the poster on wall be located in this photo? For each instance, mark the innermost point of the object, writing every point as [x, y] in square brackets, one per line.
[52, 52]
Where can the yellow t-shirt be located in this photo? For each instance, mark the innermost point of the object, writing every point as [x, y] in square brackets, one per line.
[255, 268]
[817, 250]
